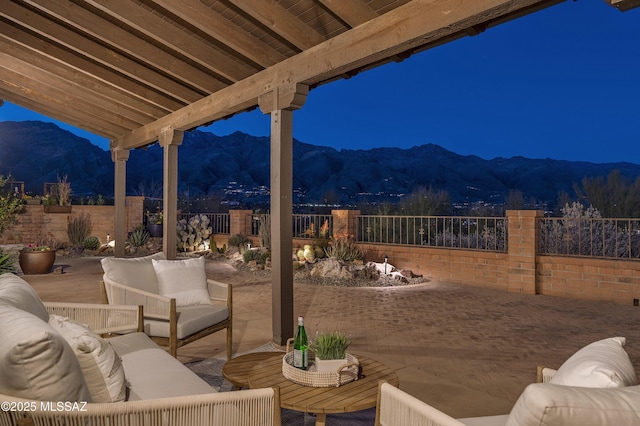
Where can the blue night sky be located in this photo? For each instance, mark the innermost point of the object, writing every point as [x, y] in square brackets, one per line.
[562, 83]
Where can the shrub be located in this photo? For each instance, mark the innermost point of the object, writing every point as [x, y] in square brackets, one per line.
[7, 263]
[139, 237]
[78, 229]
[10, 205]
[344, 249]
[239, 240]
[91, 243]
[259, 255]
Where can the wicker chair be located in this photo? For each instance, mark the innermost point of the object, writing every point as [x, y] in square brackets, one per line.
[133, 282]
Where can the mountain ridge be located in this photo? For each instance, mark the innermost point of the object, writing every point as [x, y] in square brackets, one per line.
[237, 165]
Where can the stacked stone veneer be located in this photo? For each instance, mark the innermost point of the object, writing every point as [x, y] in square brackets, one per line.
[34, 223]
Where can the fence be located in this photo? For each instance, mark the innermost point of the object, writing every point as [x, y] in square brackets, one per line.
[591, 237]
[304, 225]
[481, 233]
[220, 222]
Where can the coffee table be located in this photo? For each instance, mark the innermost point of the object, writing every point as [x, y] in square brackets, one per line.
[358, 395]
[236, 370]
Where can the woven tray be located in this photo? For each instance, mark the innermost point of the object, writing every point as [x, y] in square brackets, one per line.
[347, 373]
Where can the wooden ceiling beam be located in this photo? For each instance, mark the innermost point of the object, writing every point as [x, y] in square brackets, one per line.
[51, 108]
[278, 20]
[92, 85]
[352, 12]
[86, 47]
[71, 89]
[163, 32]
[88, 68]
[624, 5]
[405, 28]
[120, 40]
[223, 31]
[63, 97]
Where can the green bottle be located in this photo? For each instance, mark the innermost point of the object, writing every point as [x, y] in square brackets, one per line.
[300, 347]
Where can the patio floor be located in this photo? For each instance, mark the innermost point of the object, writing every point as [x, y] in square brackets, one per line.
[467, 351]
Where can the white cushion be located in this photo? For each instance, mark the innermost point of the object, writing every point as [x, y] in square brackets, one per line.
[548, 404]
[184, 280]
[18, 293]
[134, 272]
[601, 364]
[101, 365]
[191, 319]
[150, 368]
[35, 361]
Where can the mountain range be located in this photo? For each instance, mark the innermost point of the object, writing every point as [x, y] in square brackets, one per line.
[237, 166]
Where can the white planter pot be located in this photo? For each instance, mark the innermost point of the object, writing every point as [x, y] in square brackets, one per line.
[329, 365]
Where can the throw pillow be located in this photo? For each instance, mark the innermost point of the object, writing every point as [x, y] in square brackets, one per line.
[101, 366]
[601, 364]
[35, 361]
[136, 272]
[184, 280]
[547, 404]
[18, 293]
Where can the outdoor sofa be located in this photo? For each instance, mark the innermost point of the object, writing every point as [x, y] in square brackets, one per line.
[596, 386]
[57, 367]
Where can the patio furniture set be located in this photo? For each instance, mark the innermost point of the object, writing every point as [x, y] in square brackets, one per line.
[100, 364]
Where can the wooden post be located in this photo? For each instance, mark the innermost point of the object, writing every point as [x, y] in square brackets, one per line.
[120, 157]
[170, 139]
[280, 103]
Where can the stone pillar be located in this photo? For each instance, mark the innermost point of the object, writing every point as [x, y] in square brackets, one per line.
[280, 102]
[120, 158]
[170, 139]
[523, 243]
[345, 223]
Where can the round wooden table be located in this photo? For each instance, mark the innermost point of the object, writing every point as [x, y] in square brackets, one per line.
[358, 395]
[236, 370]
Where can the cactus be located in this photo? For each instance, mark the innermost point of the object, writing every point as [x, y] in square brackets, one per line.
[192, 233]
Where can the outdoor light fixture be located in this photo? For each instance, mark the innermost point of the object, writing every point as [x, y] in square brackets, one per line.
[108, 238]
[248, 246]
[386, 260]
[207, 244]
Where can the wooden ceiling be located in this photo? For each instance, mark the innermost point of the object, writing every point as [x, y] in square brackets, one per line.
[125, 69]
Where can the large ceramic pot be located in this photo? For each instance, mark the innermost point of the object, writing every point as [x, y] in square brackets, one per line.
[155, 230]
[36, 262]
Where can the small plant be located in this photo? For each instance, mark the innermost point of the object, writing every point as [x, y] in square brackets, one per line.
[92, 243]
[63, 189]
[214, 248]
[259, 255]
[344, 249]
[78, 229]
[331, 345]
[240, 241]
[139, 237]
[264, 231]
[7, 263]
[10, 205]
[154, 218]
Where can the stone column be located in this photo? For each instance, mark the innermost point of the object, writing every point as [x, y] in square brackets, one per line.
[170, 139]
[120, 158]
[280, 102]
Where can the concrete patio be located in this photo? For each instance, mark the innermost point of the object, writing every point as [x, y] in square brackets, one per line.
[465, 350]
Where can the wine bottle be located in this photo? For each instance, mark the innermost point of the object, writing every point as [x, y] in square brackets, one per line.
[300, 347]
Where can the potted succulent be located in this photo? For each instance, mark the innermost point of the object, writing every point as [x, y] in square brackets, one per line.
[36, 259]
[154, 224]
[330, 350]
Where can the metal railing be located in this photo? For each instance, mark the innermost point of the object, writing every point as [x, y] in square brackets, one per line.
[304, 225]
[220, 222]
[481, 233]
[590, 237]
